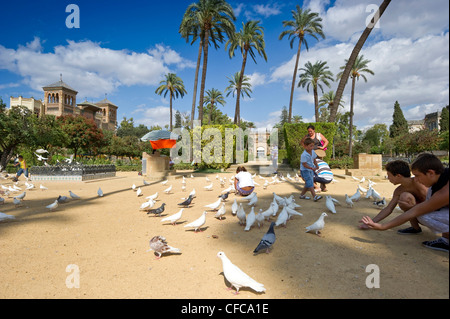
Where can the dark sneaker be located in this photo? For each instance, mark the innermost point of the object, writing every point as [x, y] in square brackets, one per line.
[409, 231]
[438, 244]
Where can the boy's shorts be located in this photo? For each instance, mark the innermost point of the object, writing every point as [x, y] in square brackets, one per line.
[308, 176]
[437, 221]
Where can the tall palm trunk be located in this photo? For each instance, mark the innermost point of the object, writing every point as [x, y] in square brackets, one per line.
[237, 112]
[194, 99]
[350, 139]
[316, 103]
[203, 82]
[293, 80]
[351, 60]
[171, 98]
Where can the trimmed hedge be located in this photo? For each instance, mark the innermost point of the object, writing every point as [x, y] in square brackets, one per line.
[295, 132]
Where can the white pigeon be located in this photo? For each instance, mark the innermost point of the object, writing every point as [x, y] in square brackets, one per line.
[139, 192]
[369, 192]
[282, 218]
[147, 205]
[5, 217]
[133, 187]
[167, 190]
[145, 182]
[253, 201]
[152, 197]
[165, 182]
[275, 207]
[215, 205]
[250, 197]
[207, 179]
[192, 193]
[250, 220]
[318, 225]
[268, 212]
[41, 151]
[43, 187]
[260, 218]
[17, 202]
[355, 197]
[228, 189]
[40, 157]
[241, 215]
[362, 189]
[183, 188]
[21, 196]
[74, 196]
[362, 180]
[220, 212]
[29, 186]
[53, 205]
[375, 195]
[278, 198]
[349, 201]
[208, 187]
[100, 192]
[199, 222]
[291, 212]
[356, 179]
[234, 207]
[173, 218]
[236, 277]
[329, 203]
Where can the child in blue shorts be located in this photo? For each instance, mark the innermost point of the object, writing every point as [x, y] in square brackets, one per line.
[308, 166]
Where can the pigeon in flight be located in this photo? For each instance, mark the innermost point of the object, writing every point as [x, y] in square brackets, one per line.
[157, 211]
[159, 245]
[236, 277]
[267, 241]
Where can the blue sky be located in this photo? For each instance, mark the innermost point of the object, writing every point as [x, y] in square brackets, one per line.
[124, 48]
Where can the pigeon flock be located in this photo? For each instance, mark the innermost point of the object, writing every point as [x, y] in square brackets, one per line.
[249, 212]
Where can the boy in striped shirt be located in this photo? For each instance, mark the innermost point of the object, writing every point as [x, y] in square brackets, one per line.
[323, 174]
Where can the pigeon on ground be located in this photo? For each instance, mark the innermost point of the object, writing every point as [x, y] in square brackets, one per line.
[251, 196]
[42, 187]
[2, 200]
[349, 201]
[362, 189]
[356, 179]
[355, 197]
[369, 192]
[21, 196]
[152, 197]
[224, 196]
[253, 201]
[275, 208]
[53, 205]
[220, 212]
[375, 195]
[199, 222]
[282, 218]
[241, 215]
[133, 187]
[380, 203]
[192, 193]
[159, 245]
[145, 182]
[62, 199]
[250, 220]
[147, 205]
[329, 203]
[167, 190]
[5, 217]
[139, 192]
[318, 225]
[260, 218]
[173, 218]
[187, 202]
[74, 196]
[100, 192]
[157, 211]
[215, 205]
[234, 207]
[267, 241]
[208, 187]
[165, 182]
[267, 213]
[236, 277]
[291, 212]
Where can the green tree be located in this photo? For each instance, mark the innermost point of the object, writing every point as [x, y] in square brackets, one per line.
[212, 98]
[314, 76]
[173, 85]
[235, 83]
[443, 122]
[327, 100]
[248, 39]
[353, 56]
[304, 23]
[357, 71]
[375, 137]
[83, 134]
[207, 19]
[399, 124]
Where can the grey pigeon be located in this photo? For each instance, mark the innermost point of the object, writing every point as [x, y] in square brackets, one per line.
[224, 196]
[267, 241]
[159, 245]
[157, 211]
[62, 199]
[187, 202]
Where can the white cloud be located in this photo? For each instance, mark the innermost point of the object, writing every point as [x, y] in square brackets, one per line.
[87, 66]
[158, 115]
[267, 10]
[257, 79]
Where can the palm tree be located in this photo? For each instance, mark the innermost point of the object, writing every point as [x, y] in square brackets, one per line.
[353, 56]
[213, 97]
[213, 18]
[191, 27]
[314, 75]
[244, 86]
[358, 70]
[248, 39]
[304, 23]
[173, 85]
[328, 100]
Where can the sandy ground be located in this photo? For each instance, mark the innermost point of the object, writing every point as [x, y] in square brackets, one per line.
[107, 240]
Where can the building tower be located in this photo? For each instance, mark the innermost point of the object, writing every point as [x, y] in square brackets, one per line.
[109, 114]
[59, 98]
